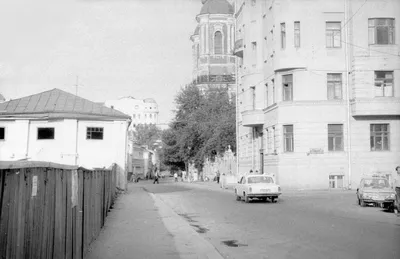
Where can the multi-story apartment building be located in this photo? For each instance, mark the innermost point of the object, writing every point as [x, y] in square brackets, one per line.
[213, 43]
[141, 111]
[318, 90]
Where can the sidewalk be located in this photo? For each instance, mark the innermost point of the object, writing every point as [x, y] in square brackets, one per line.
[134, 229]
[142, 226]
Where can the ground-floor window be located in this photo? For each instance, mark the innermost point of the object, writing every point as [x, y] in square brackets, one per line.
[335, 181]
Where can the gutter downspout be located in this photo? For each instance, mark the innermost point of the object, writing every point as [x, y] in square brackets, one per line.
[348, 117]
[76, 143]
[28, 139]
[237, 99]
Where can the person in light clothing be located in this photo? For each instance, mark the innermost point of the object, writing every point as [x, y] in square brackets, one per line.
[396, 186]
[176, 176]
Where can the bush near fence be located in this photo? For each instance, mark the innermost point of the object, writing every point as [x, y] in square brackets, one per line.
[49, 210]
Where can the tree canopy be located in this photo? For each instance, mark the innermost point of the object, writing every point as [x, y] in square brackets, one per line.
[146, 134]
[203, 127]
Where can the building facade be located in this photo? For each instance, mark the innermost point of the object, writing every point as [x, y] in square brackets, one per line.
[56, 126]
[213, 43]
[141, 111]
[318, 90]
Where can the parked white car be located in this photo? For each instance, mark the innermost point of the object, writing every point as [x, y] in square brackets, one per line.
[257, 186]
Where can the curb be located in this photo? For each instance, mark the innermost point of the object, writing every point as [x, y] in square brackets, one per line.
[187, 241]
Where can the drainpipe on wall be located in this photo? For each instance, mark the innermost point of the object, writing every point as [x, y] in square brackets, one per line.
[252, 148]
[237, 97]
[76, 143]
[28, 139]
[348, 117]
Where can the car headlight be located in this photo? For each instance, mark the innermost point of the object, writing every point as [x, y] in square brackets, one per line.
[366, 195]
[250, 190]
[279, 189]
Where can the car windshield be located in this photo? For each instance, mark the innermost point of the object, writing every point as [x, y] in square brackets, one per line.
[260, 179]
[376, 183]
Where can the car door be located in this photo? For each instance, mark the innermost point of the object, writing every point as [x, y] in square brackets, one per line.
[360, 189]
[240, 186]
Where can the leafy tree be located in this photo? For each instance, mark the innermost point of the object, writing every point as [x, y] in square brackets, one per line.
[146, 134]
[204, 125]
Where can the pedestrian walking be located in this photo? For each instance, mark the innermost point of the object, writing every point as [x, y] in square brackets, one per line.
[218, 176]
[251, 171]
[156, 176]
[396, 186]
[176, 176]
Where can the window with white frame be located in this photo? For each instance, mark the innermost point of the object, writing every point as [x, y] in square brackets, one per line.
[381, 31]
[94, 133]
[287, 87]
[336, 181]
[45, 133]
[288, 144]
[333, 35]
[379, 137]
[383, 83]
[283, 35]
[334, 83]
[2, 133]
[297, 34]
[335, 137]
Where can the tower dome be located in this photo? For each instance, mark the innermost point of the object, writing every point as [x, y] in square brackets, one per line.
[216, 7]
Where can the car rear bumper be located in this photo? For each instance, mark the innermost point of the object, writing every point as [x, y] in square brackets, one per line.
[263, 195]
[378, 201]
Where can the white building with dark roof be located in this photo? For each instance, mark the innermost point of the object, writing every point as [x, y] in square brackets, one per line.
[141, 111]
[59, 127]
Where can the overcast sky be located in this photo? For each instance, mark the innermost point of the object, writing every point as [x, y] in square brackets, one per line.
[117, 48]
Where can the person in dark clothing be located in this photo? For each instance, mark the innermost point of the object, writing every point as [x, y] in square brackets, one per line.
[156, 176]
[218, 176]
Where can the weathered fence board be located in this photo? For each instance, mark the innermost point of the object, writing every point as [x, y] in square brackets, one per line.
[45, 213]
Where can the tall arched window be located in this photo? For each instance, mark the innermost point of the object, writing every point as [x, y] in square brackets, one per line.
[218, 42]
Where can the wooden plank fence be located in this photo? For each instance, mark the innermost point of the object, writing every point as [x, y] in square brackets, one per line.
[50, 210]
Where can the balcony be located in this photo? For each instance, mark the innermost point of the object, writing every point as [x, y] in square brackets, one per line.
[216, 60]
[253, 118]
[385, 106]
[238, 51]
[215, 79]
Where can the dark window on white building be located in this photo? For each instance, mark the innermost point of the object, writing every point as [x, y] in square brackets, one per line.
[288, 144]
[383, 83]
[333, 35]
[334, 84]
[335, 137]
[45, 133]
[2, 133]
[287, 87]
[380, 137]
[381, 31]
[94, 133]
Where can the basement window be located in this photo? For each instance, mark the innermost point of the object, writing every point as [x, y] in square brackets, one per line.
[2, 133]
[94, 133]
[45, 133]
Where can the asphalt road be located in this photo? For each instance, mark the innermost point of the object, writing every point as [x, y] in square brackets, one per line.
[307, 225]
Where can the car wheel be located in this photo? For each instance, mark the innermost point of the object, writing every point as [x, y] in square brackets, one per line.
[238, 198]
[246, 198]
[273, 200]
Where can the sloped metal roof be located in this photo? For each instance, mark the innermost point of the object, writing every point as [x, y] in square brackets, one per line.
[58, 104]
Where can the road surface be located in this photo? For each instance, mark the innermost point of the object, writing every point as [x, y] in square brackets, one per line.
[315, 224]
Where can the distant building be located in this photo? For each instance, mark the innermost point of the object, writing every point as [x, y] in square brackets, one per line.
[141, 111]
[2, 99]
[213, 43]
[318, 90]
[60, 127]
